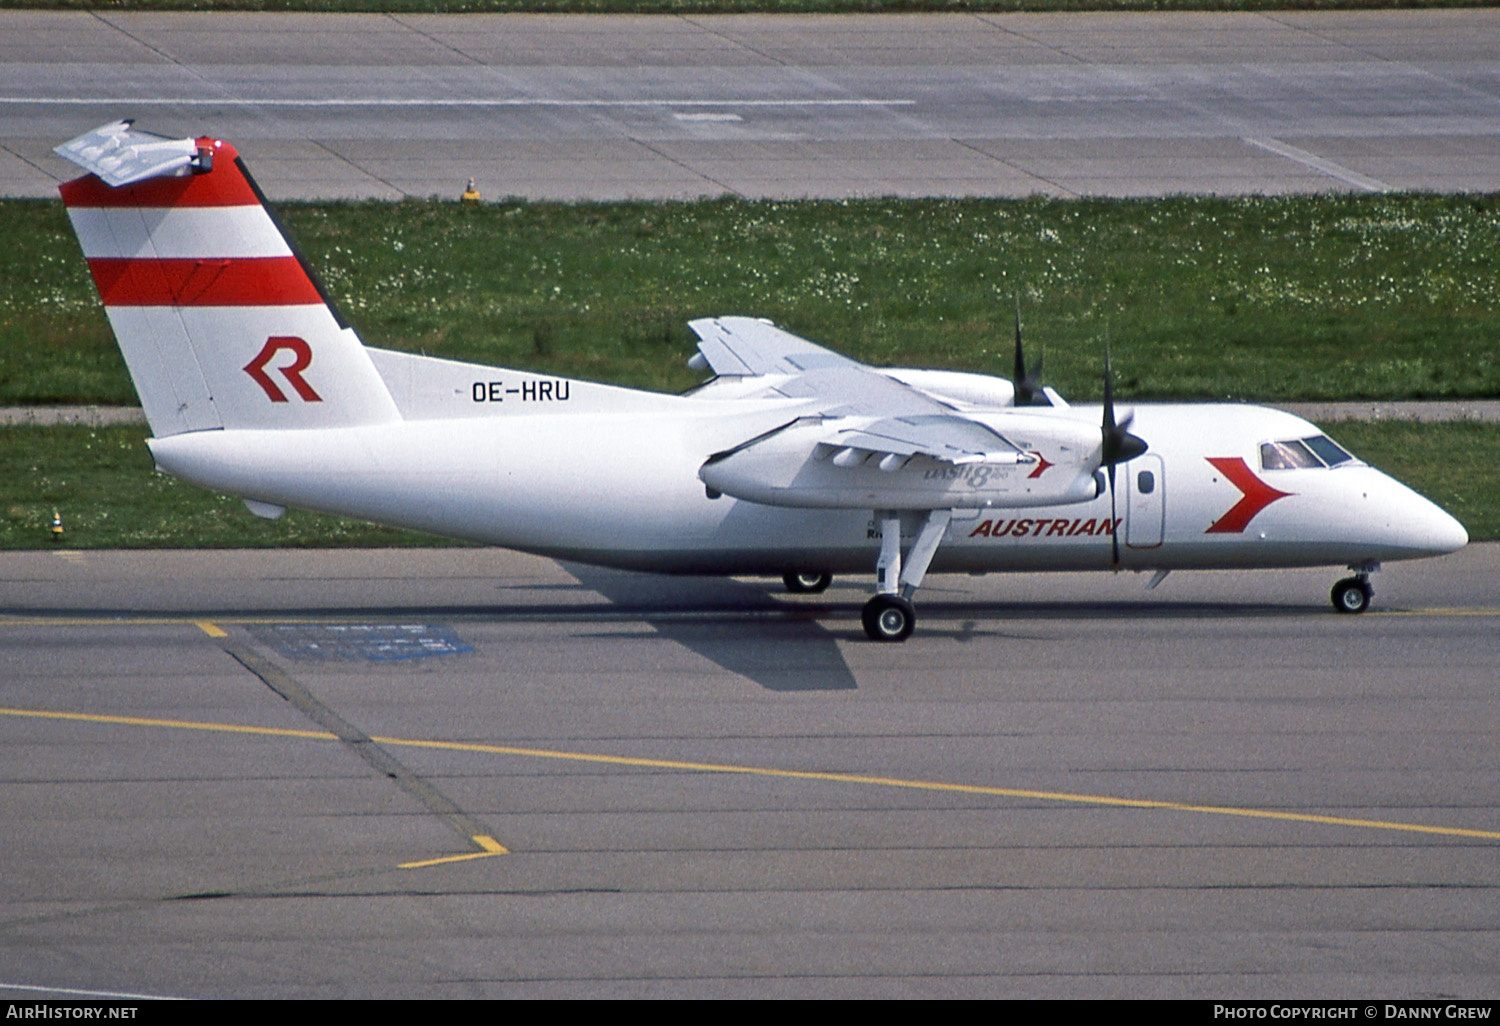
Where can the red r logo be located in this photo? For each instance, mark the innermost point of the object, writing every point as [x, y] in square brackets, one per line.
[301, 358]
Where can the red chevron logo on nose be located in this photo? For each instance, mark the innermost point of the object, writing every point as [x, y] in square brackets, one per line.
[1257, 495]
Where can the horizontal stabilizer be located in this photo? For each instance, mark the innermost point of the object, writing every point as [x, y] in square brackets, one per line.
[120, 155]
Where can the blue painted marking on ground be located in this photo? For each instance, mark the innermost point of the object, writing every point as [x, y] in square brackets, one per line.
[378, 642]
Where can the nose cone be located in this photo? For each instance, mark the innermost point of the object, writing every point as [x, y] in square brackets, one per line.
[1444, 533]
[1421, 527]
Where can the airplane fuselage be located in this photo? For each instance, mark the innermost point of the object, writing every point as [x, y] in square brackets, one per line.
[610, 477]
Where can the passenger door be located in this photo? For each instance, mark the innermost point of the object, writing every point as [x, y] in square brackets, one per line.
[1145, 507]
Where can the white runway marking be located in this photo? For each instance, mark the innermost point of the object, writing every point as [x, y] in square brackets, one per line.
[119, 995]
[1318, 163]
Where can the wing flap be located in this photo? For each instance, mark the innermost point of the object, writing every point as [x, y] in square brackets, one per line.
[948, 439]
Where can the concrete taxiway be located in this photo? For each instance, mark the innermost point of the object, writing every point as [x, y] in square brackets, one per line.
[566, 107]
[465, 772]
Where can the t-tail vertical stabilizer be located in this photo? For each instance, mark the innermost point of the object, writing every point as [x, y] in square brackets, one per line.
[221, 323]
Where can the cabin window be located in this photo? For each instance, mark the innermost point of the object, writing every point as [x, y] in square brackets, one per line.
[1293, 453]
[1329, 451]
[1145, 482]
[1287, 455]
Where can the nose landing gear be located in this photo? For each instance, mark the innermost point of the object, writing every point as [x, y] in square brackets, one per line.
[1353, 594]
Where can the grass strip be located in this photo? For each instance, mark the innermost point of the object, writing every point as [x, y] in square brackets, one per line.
[1260, 298]
[102, 482]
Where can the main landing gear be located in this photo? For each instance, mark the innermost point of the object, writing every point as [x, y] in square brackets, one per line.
[1353, 594]
[890, 615]
[807, 583]
[889, 618]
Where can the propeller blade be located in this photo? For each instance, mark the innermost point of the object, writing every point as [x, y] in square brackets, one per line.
[1020, 360]
[1119, 445]
[1028, 384]
[1023, 389]
[1109, 390]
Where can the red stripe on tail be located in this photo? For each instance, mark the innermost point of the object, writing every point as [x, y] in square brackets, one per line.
[246, 281]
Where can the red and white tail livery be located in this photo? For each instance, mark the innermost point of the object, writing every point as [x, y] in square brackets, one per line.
[219, 319]
[791, 459]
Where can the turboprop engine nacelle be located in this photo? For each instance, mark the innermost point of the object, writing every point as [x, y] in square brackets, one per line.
[800, 465]
[975, 389]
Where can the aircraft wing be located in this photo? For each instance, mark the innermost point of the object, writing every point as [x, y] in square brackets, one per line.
[745, 346]
[860, 407]
[854, 415]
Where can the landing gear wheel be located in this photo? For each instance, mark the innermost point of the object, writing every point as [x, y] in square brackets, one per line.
[888, 618]
[807, 584]
[1352, 595]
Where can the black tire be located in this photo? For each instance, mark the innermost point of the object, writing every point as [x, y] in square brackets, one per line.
[807, 583]
[889, 618]
[1352, 595]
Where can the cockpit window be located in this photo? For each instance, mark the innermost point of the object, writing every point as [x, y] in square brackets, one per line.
[1286, 456]
[1317, 451]
[1328, 450]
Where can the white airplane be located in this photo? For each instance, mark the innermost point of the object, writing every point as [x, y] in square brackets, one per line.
[791, 459]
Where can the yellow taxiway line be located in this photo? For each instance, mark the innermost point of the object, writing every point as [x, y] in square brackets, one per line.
[489, 847]
[1108, 801]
